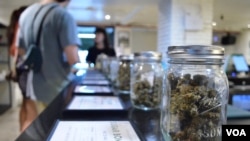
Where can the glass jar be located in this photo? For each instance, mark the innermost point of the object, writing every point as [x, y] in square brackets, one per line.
[113, 67]
[195, 94]
[105, 66]
[123, 77]
[99, 65]
[108, 68]
[146, 80]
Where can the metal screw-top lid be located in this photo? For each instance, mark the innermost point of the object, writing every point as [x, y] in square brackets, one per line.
[148, 55]
[126, 57]
[196, 51]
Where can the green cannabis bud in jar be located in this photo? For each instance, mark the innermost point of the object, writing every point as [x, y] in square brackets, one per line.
[195, 94]
[194, 107]
[146, 80]
[124, 76]
[146, 93]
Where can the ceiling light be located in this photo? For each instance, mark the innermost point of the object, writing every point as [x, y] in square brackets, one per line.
[214, 24]
[248, 25]
[86, 36]
[107, 17]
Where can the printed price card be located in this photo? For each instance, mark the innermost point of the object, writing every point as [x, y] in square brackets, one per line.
[95, 103]
[95, 82]
[92, 89]
[94, 131]
[95, 77]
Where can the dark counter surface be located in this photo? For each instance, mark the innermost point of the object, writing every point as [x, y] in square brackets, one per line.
[147, 122]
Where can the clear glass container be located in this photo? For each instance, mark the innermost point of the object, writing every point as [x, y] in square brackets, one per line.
[109, 67]
[146, 80]
[113, 67]
[123, 76]
[99, 65]
[105, 66]
[195, 94]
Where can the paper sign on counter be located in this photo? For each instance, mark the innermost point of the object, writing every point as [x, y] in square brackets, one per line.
[92, 89]
[94, 131]
[95, 77]
[96, 82]
[95, 103]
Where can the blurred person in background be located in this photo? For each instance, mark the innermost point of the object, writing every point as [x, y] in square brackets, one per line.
[101, 46]
[12, 36]
[58, 46]
[28, 109]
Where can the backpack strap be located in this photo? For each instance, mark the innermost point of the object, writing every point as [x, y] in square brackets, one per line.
[41, 25]
[32, 25]
[33, 56]
[36, 40]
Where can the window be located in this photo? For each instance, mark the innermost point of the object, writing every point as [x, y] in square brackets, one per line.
[87, 36]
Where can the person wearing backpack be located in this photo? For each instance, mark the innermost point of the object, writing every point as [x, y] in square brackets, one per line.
[48, 50]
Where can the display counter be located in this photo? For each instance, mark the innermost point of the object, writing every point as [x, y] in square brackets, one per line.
[146, 123]
[239, 80]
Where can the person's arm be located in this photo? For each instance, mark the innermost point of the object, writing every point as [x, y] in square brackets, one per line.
[18, 50]
[89, 58]
[112, 52]
[68, 39]
[14, 45]
[20, 42]
[20, 45]
[71, 53]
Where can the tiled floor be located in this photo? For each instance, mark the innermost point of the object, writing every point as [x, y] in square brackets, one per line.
[9, 126]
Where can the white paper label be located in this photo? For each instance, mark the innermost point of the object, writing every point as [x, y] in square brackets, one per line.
[95, 103]
[96, 82]
[94, 131]
[92, 89]
[94, 77]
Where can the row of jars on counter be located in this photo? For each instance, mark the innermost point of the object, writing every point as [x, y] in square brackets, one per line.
[192, 92]
[138, 74]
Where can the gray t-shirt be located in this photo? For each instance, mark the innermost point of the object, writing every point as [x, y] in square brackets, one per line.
[59, 31]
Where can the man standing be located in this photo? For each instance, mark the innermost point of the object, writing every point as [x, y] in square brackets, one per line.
[58, 44]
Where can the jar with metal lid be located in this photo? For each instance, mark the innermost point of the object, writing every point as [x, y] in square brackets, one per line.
[146, 80]
[123, 77]
[195, 94]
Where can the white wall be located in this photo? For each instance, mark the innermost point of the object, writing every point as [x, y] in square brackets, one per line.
[242, 45]
[8, 6]
[143, 39]
[173, 21]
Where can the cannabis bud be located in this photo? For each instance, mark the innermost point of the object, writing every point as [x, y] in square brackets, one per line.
[147, 94]
[195, 108]
[124, 76]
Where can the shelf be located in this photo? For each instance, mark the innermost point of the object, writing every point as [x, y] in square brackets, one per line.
[3, 44]
[4, 108]
[4, 62]
[3, 81]
[2, 26]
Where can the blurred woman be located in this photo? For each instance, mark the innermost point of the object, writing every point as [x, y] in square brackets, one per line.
[28, 111]
[12, 35]
[101, 46]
